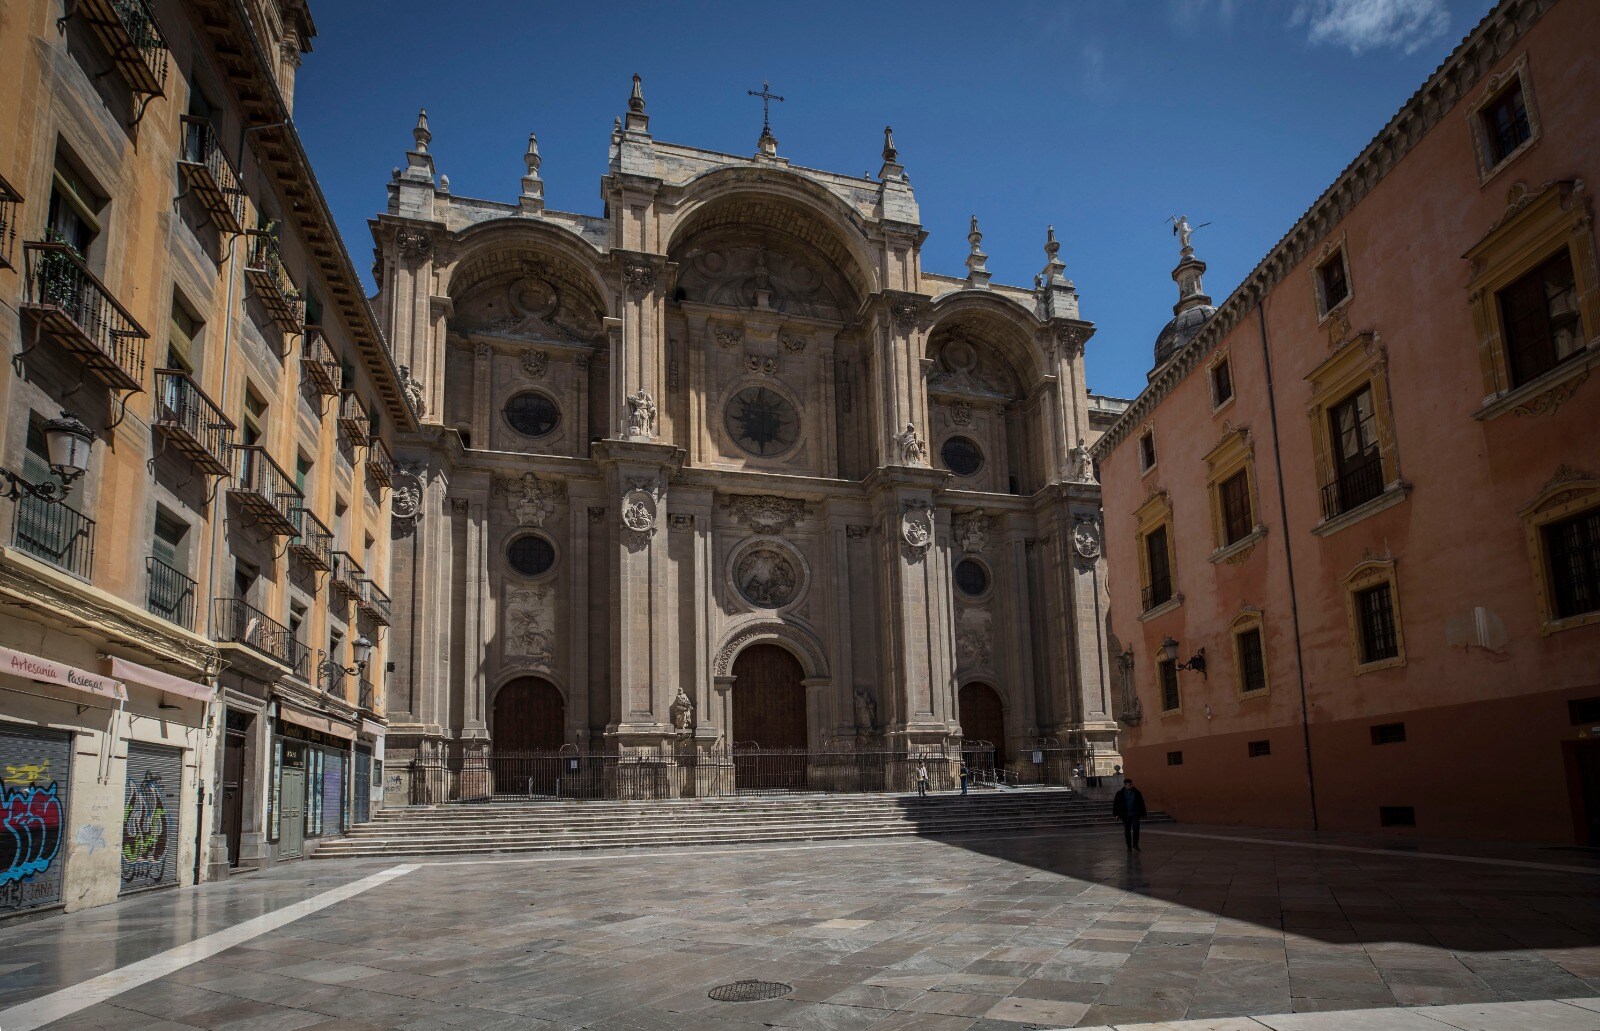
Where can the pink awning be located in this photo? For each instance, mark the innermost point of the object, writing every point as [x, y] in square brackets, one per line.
[134, 673]
[59, 674]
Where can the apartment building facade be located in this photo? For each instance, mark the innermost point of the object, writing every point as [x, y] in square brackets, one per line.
[198, 413]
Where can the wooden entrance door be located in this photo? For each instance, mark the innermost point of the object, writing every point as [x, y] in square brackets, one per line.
[983, 718]
[238, 726]
[530, 725]
[769, 698]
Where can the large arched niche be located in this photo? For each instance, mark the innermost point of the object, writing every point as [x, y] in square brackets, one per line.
[982, 374]
[521, 278]
[998, 323]
[806, 648]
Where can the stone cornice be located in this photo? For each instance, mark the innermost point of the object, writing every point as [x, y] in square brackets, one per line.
[1489, 41]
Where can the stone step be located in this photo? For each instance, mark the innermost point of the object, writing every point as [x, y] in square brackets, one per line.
[458, 827]
[676, 809]
[448, 834]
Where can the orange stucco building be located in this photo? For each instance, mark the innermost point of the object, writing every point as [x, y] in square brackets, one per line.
[1364, 491]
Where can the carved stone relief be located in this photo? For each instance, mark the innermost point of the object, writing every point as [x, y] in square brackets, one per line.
[742, 275]
[766, 576]
[530, 625]
[1086, 537]
[971, 530]
[916, 527]
[535, 362]
[974, 637]
[760, 364]
[765, 513]
[529, 498]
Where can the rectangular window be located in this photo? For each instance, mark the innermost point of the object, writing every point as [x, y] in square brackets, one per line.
[168, 545]
[1540, 316]
[1170, 699]
[1159, 590]
[1221, 383]
[1237, 520]
[75, 207]
[1252, 668]
[1397, 816]
[1505, 124]
[1572, 547]
[183, 328]
[1388, 733]
[302, 473]
[1174, 758]
[1357, 465]
[1147, 450]
[1260, 748]
[1335, 287]
[1375, 614]
[1584, 710]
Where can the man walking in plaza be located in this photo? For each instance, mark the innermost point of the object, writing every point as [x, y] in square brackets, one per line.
[922, 780]
[1128, 806]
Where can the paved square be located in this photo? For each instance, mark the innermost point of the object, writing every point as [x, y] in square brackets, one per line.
[945, 935]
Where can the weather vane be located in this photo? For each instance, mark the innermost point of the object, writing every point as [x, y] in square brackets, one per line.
[767, 97]
[1182, 230]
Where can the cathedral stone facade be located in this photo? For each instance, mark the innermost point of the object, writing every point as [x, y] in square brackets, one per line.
[723, 464]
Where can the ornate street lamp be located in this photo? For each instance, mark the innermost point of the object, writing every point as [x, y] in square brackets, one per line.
[1197, 662]
[363, 649]
[67, 443]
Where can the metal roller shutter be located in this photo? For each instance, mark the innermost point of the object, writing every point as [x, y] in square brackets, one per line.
[363, 785]
[35, 774]
[150, 817]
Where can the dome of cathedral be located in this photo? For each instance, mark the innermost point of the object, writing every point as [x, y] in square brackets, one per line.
[1181, 330]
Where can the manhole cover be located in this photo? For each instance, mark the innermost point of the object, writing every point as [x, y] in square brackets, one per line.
[750, 991]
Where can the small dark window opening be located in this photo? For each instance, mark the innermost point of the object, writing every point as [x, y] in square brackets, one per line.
[1252, 669]
[1388, 733]
[1174, 758]
[1159, 590]
[1170, 700]
[1375, 616]
[1572, 547]
[531, 555]
[971, 578]
[1583, 710]
[1335, 288]
[1147, 451]
[961, 456]
[1237, 520]
[532, 415]
[1221, 383]
[1260, 748]
[1542, 325]
[1397, 816]
[1505, 124]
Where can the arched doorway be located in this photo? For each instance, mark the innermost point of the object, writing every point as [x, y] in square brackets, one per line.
[769, 710]
[983, 718]
[530, 721]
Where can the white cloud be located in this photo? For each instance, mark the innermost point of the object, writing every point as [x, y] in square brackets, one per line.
[1372, 24]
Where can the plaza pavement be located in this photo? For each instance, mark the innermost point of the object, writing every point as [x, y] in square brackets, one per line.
[1207, 929]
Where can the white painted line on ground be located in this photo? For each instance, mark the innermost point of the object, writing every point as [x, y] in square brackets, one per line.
[1545, 1015]
[1392, 853]
[67, 1001]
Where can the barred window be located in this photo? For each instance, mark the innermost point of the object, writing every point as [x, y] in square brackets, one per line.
[1573, 550]
[1505, 124]
[1159, 589]
[1237, 520]
[1170, 700]
[1540, 313]
[1375, 612]
[1252, 668]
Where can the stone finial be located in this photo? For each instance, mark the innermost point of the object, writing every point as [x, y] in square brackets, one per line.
[637, 121]
[636, 99]
[444, 184]
[1057, 296]
[531, 158]
[890, 154]
[420, 134]
[977, 261]
[891, 170]
[1052, 246]
[616, 124]
[767, 144]
[532, 199]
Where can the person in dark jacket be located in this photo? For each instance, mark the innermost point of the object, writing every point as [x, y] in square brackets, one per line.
[1128, 806]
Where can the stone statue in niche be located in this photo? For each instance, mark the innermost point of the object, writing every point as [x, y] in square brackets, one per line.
[866, 713]
[912, 450]
[530, 625]
[641, 414]
[1132, 713]
[1082, 470]
[766, 577]
[682, 712]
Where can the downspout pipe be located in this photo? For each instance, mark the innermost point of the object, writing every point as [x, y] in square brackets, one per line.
[1288, 556]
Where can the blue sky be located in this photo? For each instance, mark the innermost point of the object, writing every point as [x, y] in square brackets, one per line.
[1103, 118]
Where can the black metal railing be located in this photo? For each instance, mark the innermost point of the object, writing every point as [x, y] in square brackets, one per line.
[379, 463]
[1358, 484]
[132, 38]
[78, 311]
[1158, 593]
[374, 602]
[272, 284]
[10, 208]
[353, 419]
[171, 594]
[211, 176]
[333, 677]
[194, 423]
[313, 542]
[238, 622]
[317, 363]
[1510, 136]
[347, 575]
[367, 695]
[263, 488]
[54, 532]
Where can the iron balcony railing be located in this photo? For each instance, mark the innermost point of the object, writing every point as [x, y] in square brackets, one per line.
[75, 309]
[263, 489]
[1511, 136]
[353, 419]
[373, 601]
[132, 38]
[313, 542]
[192, 422]
[10, 208]
[1357, 485]
[347, 575]
[210, 176]
[1158, 593]
[379, 464]
[317, 364]
[272, 284]
[54, 532]
[238, 622]
[171, 595]
[333, 678]
[367, 697]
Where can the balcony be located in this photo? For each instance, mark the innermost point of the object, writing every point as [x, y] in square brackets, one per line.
[55, 533]
[192, 422]
[272, 284]
[171, 595]
[347, 575]
[263, 489]
[317, 363]
[380, 466]
[373, 602]
[240, 623]
[353, 419]
[210, 176]
[129, 32]
[333, 679]
[1358, 484]
[1158, 593]
[69, 304]
[10, 209]
[367, 695]
[313, 542]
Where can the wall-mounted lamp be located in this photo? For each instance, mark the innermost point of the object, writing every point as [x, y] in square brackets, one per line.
[1197, 662]
[363, 649]
[67, 441]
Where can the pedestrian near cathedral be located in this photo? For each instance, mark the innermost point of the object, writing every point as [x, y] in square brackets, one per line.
[1128, 806]
[966, 774]
[922, 780]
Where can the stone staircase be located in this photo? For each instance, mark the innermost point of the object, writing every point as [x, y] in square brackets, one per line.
[558, 826]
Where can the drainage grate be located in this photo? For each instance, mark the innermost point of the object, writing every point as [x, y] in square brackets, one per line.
[750, 991]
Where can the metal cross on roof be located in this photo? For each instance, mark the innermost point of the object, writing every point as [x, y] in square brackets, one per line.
[767, 96]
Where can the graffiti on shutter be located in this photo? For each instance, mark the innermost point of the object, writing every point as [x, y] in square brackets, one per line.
[35, 774]
[150, 817]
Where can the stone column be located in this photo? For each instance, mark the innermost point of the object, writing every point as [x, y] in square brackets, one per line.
[482, 393]
[577, 581]
[1088, 600]
[481, 619]
[837, 582]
